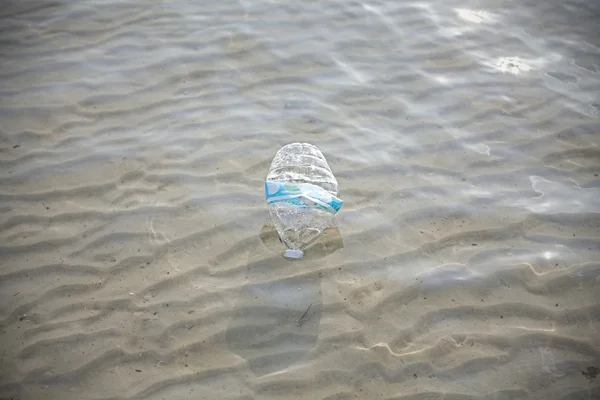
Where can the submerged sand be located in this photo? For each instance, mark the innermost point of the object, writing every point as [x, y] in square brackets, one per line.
[136, 256]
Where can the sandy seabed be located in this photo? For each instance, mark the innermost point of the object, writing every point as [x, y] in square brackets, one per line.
[136, 257]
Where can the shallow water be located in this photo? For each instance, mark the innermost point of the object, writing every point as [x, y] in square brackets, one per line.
[136, 258]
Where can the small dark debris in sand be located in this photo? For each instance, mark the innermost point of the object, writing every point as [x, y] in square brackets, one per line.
[16, 294]
[556, 305]
[415, 376]
[303, 318]
[138, 370]
[16, 146]
[591, 372]
[22, 317]
[473, 244]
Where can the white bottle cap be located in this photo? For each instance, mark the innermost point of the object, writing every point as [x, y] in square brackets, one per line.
[291, 253]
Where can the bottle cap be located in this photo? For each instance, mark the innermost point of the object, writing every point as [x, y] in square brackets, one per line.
[294, 254]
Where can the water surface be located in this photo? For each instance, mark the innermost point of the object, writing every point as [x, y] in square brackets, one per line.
[136, 258]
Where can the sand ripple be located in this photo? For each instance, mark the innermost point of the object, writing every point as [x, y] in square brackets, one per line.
[136, 259]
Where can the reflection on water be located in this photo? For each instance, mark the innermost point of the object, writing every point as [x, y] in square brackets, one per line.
[476, 16]
[512, 64]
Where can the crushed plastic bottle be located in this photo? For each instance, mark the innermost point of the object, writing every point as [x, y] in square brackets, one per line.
[301, 194]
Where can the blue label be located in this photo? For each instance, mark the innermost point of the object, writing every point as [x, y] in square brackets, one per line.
[302, 195]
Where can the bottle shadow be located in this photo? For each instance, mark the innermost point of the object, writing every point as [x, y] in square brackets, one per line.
[277, 314]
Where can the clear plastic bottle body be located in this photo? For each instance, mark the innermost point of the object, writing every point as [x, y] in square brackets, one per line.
[300, 163]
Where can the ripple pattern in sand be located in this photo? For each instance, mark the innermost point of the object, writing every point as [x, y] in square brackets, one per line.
[135, 257]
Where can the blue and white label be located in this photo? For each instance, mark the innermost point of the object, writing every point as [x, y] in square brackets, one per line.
[303, 195]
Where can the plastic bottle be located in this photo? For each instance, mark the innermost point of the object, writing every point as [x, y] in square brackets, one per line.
[301, 194]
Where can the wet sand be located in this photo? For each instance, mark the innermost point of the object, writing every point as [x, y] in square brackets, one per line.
[136, 256]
